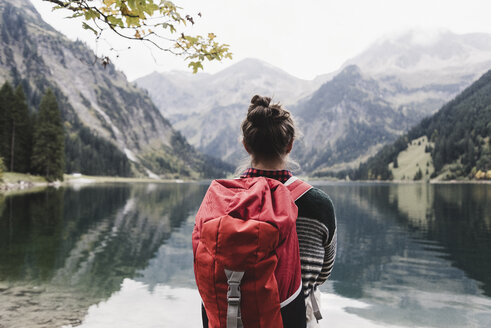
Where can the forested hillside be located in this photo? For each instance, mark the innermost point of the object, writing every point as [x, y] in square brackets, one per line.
[81, 150]
[107, 120]
[460, 132]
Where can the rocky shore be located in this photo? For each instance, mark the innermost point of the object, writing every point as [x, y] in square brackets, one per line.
[12, 182]
[21, 185]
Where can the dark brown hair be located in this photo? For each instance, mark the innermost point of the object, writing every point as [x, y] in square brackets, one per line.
[268, 129]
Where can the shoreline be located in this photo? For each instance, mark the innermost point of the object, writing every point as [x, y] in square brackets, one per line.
[20, 183]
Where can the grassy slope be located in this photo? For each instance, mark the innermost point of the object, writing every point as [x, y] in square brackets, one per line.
[412, 159]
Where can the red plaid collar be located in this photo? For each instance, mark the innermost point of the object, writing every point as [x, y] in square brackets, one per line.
[280, 175]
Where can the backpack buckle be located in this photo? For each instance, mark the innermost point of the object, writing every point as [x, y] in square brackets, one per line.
[233, 293]
[233, 280]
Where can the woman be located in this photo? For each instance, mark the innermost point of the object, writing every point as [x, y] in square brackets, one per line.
[245, 229]
[268, 136]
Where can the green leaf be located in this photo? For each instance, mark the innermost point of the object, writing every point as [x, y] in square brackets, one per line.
[133, 21]
[115, 21]
[91, 14]
[195, 66]
[88, 27]
[151, 8]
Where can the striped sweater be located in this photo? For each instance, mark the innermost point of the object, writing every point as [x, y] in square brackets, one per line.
[316, 229]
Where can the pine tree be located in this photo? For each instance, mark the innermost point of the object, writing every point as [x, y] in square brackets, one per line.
[7, 102]
[418, 175]
[48, 152]
[21, 134]
[470, 154]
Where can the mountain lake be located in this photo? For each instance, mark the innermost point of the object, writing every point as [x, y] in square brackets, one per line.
[119, 255]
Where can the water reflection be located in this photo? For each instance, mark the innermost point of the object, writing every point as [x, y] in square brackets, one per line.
[37, 231]
[117, 247]
[120, 256]
[83, 243]
[399, 251]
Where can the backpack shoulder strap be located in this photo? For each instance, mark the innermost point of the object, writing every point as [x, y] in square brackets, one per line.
[297, 187]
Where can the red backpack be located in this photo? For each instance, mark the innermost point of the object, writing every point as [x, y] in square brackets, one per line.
[246, 255]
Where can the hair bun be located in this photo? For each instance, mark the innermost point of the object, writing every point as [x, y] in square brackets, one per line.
[261, 113]
[260, 101]
[268, 129]
[258, 116]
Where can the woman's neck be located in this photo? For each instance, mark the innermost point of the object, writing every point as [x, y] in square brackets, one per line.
[270, 165]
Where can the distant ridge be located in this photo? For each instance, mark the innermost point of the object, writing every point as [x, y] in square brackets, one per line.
[180, 93]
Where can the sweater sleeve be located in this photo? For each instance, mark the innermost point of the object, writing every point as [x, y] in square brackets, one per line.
[316, 229]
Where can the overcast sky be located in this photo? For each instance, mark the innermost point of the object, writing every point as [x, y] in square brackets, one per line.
[305, 38]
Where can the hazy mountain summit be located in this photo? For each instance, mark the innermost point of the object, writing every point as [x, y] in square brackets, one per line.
[178, 94]
[424, 50]
[420, 70]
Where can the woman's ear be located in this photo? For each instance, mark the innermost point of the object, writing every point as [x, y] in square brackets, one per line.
[289, 147]
[245, 147]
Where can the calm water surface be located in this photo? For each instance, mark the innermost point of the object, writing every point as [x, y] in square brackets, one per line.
[411, 255]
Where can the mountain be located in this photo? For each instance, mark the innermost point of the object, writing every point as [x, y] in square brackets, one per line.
[456, 139]
[94, 99]
[414, 74]
[208, 109]
[345, 116]
[345, 120]
[179, 95]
